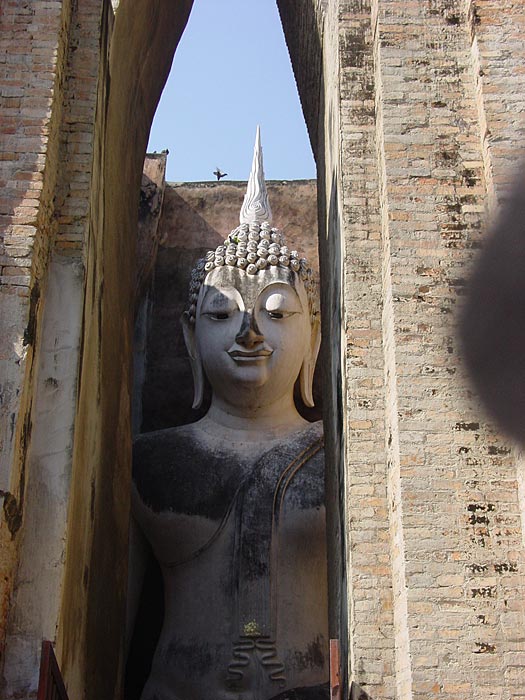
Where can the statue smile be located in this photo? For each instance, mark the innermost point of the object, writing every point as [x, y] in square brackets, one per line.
[250, 355]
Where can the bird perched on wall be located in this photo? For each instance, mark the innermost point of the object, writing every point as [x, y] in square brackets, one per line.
[219, 173]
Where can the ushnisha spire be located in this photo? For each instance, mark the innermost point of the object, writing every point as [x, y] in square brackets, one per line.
[256, 207]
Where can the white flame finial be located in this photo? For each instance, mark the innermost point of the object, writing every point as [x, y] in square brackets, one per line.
[256, 207]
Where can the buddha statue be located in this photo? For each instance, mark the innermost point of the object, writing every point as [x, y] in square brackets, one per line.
[233, 505]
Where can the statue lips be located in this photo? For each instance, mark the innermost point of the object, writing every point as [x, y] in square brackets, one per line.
[250, 355]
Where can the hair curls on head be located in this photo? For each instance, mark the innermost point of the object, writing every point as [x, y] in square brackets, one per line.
[253, 247]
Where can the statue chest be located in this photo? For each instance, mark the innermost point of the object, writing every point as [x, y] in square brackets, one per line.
[185, 493]
[244, 565]
[185, 512]
[245, 597]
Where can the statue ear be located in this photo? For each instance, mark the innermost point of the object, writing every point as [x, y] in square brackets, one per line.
[188, 330]
[306, 378]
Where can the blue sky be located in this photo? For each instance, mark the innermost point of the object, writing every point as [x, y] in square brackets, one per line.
[232, 71]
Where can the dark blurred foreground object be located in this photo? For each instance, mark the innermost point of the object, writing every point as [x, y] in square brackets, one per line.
[493, 322]
[50, 683]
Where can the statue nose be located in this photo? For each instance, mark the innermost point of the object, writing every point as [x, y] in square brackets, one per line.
[249, 334]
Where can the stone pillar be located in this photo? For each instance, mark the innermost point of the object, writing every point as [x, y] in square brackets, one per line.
[497, 63]
[420, 118]
[60, 60]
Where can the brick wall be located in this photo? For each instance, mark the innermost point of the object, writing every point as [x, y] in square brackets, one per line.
[498, 63]
[372, 633]
[453, 509]
[33, 44]
[429, 128]
[50, 384]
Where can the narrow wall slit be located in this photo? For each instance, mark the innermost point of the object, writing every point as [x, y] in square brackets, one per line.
[195, 227]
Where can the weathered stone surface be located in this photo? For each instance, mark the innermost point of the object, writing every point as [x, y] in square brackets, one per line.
[242, 488]
[30, 120]
[91, 649]
[150, 207]
[198, 215]
[71, 168]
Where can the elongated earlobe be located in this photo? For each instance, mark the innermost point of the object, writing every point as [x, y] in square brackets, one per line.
[188, 330]
[306, 379]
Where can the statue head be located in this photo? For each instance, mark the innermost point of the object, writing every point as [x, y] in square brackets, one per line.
[252, 325]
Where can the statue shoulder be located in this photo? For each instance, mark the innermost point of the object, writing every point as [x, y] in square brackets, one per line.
[164, 449]
[312, 433]
[147, 443]
[317, 427]
[178, 470]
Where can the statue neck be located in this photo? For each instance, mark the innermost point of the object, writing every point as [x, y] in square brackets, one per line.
[278, 419]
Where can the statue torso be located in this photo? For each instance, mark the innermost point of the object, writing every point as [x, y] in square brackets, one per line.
[240, 537]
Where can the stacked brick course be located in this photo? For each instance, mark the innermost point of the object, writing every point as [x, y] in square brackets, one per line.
[29, 45]
[498, 62]
[49, 57]
[451, 466]
[371, 561]
[431, 126]
[78, 129]
[454, 512]
[32, 48]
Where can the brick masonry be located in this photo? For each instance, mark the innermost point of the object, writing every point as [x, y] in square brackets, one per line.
[32, 52]
[456, 564]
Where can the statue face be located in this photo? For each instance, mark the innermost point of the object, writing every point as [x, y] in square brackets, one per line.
[252, 332]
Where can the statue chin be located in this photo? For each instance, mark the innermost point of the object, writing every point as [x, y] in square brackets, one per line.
[241, 380]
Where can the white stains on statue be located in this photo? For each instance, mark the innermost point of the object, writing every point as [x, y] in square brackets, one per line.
[253, 248]
[250, 514]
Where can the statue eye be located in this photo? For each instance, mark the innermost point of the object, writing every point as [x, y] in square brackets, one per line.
[218, 315]
[218, 307]
[279, 305]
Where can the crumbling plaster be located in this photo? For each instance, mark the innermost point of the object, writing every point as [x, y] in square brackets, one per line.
[32, 91]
